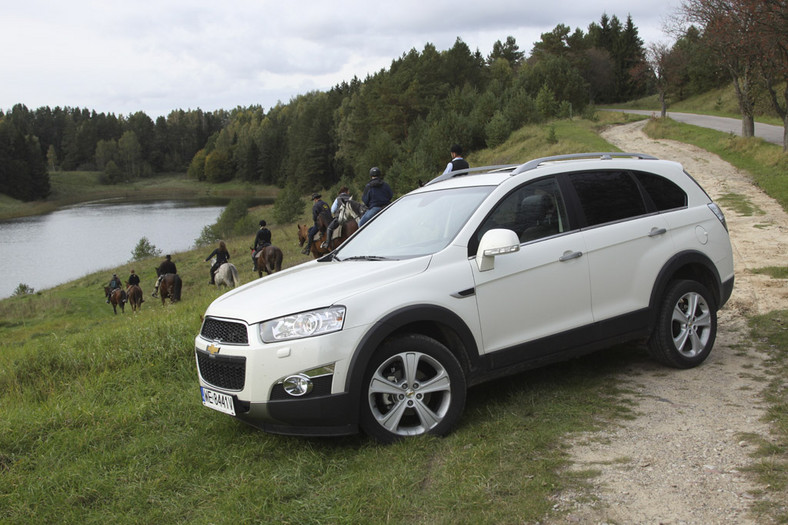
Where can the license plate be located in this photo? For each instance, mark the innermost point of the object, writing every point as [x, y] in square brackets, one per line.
[217, 401]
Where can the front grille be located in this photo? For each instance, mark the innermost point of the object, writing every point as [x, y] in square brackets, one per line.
[222, 371]
[224, 331]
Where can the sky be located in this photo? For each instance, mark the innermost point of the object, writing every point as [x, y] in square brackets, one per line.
[121, 57]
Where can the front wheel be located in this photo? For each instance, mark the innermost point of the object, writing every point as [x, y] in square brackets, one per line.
[413, 385]
[686, 325]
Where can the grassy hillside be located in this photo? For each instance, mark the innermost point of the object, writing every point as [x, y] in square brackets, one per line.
[101, 420]
[720, 102]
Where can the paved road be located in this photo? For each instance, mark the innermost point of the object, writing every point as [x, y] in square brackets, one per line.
[767, 132]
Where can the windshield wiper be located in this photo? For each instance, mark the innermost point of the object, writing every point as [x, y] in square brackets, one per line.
[365, 258]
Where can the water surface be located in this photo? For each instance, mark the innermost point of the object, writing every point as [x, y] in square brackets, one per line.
[91, 237]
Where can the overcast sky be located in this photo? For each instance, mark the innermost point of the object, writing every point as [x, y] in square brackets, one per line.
[157, 56]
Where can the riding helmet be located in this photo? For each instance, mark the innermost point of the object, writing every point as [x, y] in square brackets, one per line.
[262, 223]
[375, 172]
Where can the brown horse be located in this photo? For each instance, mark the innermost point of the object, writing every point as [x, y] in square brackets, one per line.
[134, 294]
[269, 259]
[170, 287]
[342, 233]
[116, 298]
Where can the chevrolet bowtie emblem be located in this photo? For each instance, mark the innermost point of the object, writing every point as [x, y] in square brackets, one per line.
[213, 350]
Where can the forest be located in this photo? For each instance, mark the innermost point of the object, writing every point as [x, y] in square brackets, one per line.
[402, 119]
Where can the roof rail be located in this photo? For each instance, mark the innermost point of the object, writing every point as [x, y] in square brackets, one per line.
[470, 171]
[533, 164]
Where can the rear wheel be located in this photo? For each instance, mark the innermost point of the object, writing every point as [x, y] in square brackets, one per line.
[414, 385]
[686, 325]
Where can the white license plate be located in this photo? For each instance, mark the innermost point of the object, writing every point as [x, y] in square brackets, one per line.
[217, 401]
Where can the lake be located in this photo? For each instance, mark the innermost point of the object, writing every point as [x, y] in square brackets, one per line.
[96, 236]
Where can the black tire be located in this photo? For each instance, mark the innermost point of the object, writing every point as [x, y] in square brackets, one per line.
[413, 385]
[686, 325]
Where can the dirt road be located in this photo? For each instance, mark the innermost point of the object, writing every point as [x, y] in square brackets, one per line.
[679, 461]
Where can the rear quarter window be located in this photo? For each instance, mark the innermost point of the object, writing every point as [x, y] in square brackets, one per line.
[665, 194]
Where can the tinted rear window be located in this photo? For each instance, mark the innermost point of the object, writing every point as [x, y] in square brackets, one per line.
[665, 194]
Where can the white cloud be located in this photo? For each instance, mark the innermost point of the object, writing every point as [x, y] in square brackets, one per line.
[157, 56]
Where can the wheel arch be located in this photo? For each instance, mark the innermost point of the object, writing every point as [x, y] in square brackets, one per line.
[691, 265]
[436, 322]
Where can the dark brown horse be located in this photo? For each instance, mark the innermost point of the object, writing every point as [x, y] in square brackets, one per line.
[342, 233]
[134, 294]
[269, 260]
[116, 298]
[170, 287]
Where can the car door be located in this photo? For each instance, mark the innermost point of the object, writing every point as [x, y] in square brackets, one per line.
[627, 241]
[543, 288]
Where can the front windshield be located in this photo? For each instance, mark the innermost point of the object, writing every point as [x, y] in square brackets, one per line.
[415, 225]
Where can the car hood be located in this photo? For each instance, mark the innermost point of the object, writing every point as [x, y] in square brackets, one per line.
[310, 285]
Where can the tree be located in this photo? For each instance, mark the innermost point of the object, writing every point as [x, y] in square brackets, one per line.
[508, 51]
[730, 29]
[288, 205]
[218, 166]
[658, 57]
[51, 158]
[130, 155]
[113, 173]
[144, 249]
[772, 33]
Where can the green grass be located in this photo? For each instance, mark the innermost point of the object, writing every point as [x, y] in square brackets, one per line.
[574, 136]
[101, 421]
[770, 331]
[720, 102]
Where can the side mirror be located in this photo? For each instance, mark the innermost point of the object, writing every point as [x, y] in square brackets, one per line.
[495, 242]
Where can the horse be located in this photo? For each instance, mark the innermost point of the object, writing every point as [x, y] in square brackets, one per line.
[170, 287]
[227, 275]
[341, 233]
[134, 294]
[269, 260]
[116, 298]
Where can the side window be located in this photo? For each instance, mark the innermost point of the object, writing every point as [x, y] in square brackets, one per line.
[532, 211]
[607, 196]
[665, 193]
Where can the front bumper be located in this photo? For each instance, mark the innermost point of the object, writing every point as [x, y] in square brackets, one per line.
[252, 373]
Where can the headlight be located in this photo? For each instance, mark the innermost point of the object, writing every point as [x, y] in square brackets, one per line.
[305, 324]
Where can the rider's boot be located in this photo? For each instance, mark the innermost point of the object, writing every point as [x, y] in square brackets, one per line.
[327, 242]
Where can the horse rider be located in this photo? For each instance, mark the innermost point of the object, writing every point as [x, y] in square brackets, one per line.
[222, 256]
[134, 279]
[321, 215]
[114, 284]
[261, 240]
[342, 199]
[166, 266]
[377, 195]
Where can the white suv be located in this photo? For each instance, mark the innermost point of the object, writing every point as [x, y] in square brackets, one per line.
[477, 274]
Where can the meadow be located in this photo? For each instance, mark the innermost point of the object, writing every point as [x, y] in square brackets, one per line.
[101, 419]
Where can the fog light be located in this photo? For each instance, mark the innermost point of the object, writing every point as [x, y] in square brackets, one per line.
[297, 385]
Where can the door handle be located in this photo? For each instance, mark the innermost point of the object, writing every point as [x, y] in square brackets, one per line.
[657, 231]
[569, 255]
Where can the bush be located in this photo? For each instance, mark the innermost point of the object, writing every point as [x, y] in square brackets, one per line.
[232, 221]
[23, 289]
[144, 249]
[288, 205]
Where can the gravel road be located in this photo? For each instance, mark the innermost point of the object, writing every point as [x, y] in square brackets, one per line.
[680, 460]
